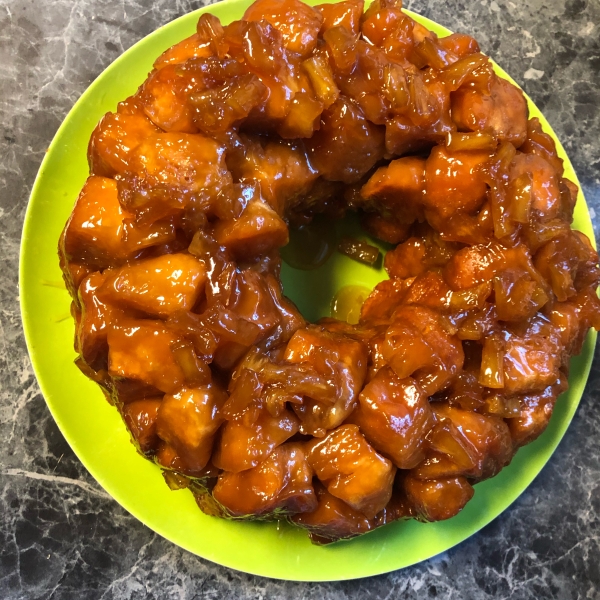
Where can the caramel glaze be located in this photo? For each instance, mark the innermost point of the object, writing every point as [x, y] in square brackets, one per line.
[239, 137]
[347, 303]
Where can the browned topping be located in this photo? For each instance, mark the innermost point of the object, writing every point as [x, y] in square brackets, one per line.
[421, 387]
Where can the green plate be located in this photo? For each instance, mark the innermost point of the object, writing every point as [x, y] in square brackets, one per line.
[95, 431]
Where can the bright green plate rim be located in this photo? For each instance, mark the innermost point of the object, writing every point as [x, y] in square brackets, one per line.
[98, 438]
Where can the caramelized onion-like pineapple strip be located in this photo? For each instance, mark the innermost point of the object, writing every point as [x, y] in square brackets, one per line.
[478, 140]
[359, 250]
[545, 184]
[568, 263]
[542, 144]
[460, 44]
[207, 41]
[472, 70]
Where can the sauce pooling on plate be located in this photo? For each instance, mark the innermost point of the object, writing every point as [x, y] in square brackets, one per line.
[310, 245]
[347, 303]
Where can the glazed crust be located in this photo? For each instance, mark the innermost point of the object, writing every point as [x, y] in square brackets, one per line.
[171, 254]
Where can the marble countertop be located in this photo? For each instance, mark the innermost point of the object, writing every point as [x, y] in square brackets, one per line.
[63, 537]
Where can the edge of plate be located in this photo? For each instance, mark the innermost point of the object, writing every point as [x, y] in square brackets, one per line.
[586, 357]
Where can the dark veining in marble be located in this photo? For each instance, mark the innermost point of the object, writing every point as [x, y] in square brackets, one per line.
[62, 537]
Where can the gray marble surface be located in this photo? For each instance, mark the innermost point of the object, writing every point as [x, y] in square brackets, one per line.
[63, 537]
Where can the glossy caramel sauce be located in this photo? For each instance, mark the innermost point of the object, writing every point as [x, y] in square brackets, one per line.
[348, 301]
